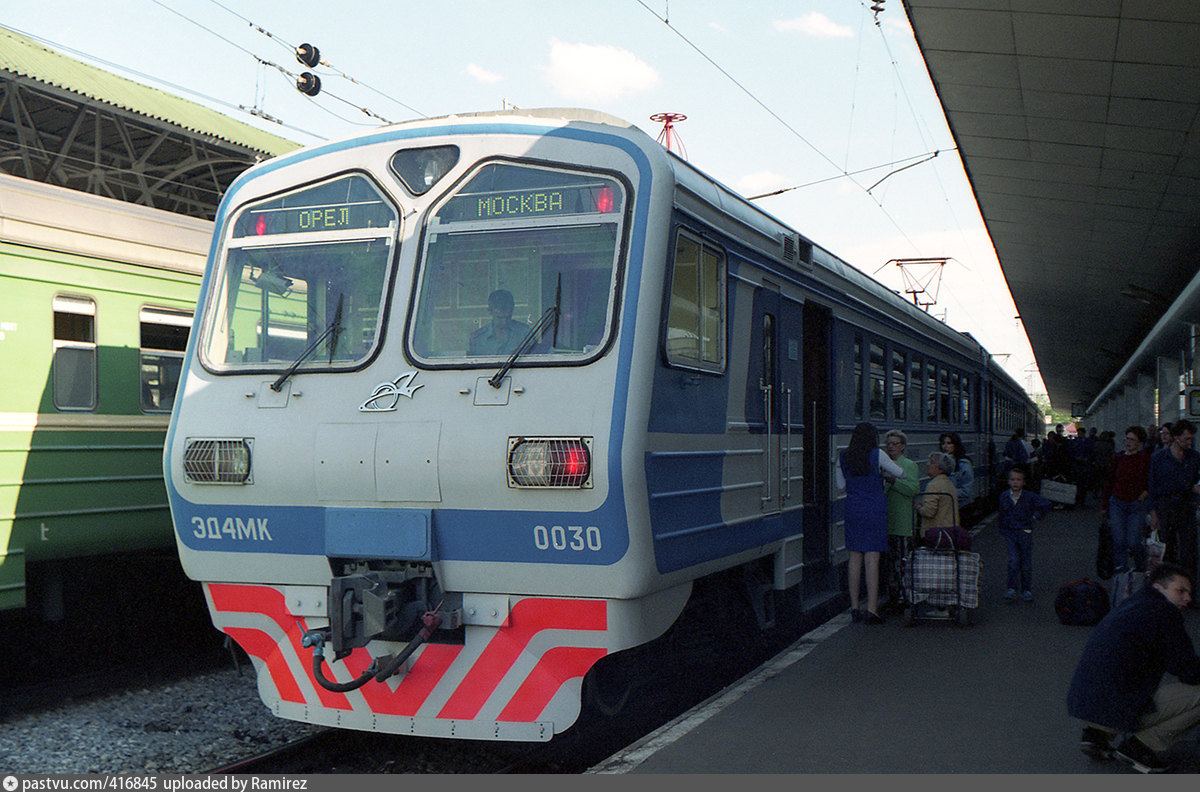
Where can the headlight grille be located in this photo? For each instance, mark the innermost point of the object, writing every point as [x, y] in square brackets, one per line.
[218, 461]
[550, 462]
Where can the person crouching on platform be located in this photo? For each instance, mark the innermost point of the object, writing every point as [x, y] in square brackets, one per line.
[1117, 686]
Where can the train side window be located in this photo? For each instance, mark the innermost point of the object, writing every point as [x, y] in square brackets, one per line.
[858, 376]
[931, 400]
[966, 412]
[877, 371]
[955, 391]
[914, 387]
[696, 316]
[74, 353]
[164, 335]
[944, 394]
[898, 387]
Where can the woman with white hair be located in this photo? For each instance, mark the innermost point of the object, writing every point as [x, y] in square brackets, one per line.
[939, 505]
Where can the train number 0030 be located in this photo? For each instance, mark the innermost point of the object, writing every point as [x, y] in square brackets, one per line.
[570, 537]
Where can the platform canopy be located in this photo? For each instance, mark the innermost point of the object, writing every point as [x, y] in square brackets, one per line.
[75, 125]
[1079, 125]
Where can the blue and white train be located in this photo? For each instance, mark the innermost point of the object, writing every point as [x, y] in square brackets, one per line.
[472, 403]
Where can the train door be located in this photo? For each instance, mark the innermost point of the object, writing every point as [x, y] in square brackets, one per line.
[818, 576]
[778, 387]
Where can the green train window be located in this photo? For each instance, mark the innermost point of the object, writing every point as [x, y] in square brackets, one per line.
[74, 353]
[164, 336]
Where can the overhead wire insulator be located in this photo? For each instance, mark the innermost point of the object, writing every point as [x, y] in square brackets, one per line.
[877, 6]
[308, 54]
[308, 84]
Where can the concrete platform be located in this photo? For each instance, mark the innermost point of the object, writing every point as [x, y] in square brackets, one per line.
[931, 698]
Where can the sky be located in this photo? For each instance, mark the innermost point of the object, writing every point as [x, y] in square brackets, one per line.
[827, 101]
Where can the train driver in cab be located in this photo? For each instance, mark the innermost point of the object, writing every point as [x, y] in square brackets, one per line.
[503, 335]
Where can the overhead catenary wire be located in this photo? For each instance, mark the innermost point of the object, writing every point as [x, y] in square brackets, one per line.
[842, 172]
[292, 77]
[293, 48]
[923, 158]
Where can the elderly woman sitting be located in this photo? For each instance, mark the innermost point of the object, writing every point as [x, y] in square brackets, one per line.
[938, 506]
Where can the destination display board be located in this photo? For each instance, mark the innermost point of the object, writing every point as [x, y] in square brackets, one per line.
[509, 193]
[347, 203]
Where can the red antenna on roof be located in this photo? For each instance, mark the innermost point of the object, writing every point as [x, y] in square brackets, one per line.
[669, 137]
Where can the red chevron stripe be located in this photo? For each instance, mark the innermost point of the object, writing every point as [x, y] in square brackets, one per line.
[414, 687]
[556, 667]
[526, 619]
[269, 602]
[259, 644]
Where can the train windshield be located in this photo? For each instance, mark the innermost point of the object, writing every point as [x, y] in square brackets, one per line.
[514, 248]
[303, 280]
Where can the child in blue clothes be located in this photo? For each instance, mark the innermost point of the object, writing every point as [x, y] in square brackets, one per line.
[1018, 510]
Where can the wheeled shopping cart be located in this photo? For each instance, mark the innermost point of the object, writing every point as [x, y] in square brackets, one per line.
[941, 582]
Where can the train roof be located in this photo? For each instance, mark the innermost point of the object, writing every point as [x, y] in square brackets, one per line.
[49, 217]
[752, 225]
[762, 230]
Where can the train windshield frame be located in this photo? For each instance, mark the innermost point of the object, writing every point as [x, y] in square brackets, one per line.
[520, 255]
[314, 267]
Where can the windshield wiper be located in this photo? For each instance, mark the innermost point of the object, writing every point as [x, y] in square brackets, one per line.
[332, 332]
[535, 333]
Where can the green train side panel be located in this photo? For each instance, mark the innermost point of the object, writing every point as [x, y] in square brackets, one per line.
[78, 483]
[12, 579]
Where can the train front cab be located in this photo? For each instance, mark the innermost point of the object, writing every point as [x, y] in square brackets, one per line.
[336, 466]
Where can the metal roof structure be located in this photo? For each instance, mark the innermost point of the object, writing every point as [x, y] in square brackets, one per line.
[1079, 126]
[68, 123]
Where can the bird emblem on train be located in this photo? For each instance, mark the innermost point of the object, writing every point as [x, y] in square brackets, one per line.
[387, 395]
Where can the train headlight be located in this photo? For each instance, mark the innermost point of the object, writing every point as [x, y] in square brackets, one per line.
[217, 461]
[550, 462]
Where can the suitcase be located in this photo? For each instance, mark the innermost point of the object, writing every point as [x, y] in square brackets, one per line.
[1058, 491]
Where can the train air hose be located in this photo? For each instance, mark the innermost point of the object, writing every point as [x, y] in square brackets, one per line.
[381, 667]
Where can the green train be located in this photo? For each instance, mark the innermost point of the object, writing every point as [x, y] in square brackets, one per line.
[96, 303]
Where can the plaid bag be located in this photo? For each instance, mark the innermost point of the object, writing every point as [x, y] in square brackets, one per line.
[930, 575]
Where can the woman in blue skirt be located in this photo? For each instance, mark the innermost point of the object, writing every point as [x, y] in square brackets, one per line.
[859, 475]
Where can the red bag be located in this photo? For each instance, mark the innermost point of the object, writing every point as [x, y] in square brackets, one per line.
[953, 538]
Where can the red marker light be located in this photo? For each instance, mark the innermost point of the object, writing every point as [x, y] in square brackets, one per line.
[576, 462]
[260, 226]
[604, 200]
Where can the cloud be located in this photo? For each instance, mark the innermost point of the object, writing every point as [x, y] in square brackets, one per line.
[597, 72]
[814, 24]
[482, 75]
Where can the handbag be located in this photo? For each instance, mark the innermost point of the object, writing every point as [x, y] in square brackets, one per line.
[952, 538]
[1155, 550]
